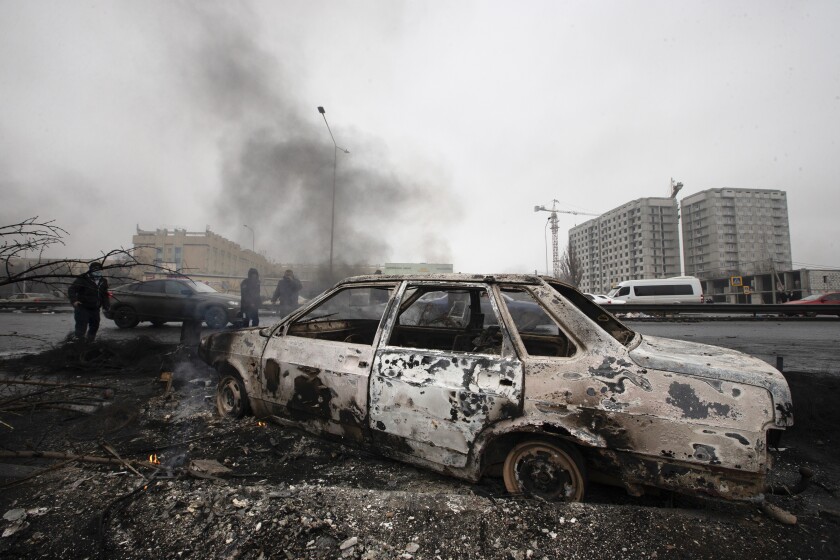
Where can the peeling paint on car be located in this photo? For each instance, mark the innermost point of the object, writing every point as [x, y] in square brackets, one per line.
[646, 411]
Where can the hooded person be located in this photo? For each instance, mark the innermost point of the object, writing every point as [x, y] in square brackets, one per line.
[287, 291]
[249, 291]
[88, 294]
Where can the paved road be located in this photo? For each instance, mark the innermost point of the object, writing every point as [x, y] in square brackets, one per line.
[805, 345]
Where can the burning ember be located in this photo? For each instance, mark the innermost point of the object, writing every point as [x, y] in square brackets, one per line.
[261, 424]
[153, 459]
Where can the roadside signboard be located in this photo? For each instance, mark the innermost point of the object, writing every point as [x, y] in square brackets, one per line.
[736, 281]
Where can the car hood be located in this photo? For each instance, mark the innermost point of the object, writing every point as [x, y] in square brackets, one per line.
[210, 296]
[715, 363]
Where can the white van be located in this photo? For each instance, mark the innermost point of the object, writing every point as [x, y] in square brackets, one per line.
[679, 289]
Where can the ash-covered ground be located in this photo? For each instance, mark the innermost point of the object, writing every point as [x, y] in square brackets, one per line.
[228, 489]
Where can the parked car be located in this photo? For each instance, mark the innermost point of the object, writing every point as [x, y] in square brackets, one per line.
[829, 298]
[438, 371]
[171, 300]
[33, 299]
[601, 299]
[679, 289]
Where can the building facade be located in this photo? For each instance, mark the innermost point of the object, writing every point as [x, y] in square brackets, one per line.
[197, 252]
[735, 232]
[635, 241]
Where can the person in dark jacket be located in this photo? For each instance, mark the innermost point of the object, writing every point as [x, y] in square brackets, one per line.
[88, 293]
[287, 292]
[249, 291]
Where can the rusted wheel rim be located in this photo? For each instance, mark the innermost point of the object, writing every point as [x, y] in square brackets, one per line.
[229, 398]
[544, 470]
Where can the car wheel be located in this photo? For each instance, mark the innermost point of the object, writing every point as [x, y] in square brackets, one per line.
[126, 318]
[231, 398]
[216, 318]
[550, 471]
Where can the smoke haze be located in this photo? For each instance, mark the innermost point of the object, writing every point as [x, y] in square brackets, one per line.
[277, 166]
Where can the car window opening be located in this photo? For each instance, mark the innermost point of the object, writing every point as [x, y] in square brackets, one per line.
[351, 315]
[448, 319]
[539, 332]
[604, 320]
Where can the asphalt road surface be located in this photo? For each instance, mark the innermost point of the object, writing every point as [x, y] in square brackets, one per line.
[808, 346]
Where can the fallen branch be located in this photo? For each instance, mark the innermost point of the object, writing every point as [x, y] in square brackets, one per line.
[70, 456]
[39, 473]
[110, 449]
[52, 384]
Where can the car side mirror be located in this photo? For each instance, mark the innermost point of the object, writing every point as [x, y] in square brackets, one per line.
[265, 332]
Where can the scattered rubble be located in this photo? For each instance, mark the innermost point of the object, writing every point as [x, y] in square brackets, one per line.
[156, 473]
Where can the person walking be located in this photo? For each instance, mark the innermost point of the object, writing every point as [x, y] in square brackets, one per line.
[249, 291]
[287, 292]
[88, 293]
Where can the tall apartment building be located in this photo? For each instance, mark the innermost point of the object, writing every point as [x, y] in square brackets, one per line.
[730, 232]
[197, 252]
[635, 241]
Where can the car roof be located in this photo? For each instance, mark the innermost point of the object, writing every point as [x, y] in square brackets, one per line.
[451, 277]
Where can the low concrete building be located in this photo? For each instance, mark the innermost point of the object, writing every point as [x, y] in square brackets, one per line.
[197, 252]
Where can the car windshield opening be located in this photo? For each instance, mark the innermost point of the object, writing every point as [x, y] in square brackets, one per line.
[603, 319]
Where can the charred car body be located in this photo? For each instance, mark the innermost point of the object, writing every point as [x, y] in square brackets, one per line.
[521, 376]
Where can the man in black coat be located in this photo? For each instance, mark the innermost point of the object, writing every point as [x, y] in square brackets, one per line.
[287, 292]
[88, 293]
[250, 299]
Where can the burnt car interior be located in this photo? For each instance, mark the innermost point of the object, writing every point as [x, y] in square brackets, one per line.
[448, 319]
[351, 315]
[540, 334]
[455, 319]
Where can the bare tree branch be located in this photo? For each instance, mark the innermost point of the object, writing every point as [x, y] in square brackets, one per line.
[571, 271]
[34, 235]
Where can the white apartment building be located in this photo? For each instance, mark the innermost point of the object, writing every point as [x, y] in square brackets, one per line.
[735, 232]
[635, 241]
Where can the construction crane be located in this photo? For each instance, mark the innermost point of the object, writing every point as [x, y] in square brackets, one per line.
[555, 253]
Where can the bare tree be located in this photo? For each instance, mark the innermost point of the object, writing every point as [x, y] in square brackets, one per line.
[31, 237]
[571, 271]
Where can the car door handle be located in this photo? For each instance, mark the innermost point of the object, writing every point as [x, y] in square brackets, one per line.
[363, 364]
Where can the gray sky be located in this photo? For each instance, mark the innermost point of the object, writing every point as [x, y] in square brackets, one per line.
[459, 116]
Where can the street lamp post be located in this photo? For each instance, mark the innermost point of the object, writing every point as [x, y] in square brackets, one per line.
[336, 147]
[253, 237]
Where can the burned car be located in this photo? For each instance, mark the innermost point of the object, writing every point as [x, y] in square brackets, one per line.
[521, 377]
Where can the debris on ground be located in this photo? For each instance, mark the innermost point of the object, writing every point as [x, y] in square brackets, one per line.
[150, 472]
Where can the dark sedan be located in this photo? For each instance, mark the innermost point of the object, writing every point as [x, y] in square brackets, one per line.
[171, 300]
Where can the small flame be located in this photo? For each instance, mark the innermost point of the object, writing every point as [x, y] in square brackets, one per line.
[153, 459]
[261, 424]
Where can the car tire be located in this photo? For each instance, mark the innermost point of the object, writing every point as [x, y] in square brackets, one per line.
[126, 317]
[216, 317]
[552, 471]
[231, 397]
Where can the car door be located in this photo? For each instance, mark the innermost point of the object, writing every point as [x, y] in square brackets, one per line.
[315, 369]
[148, 298]
[446, 369]
[178, 300]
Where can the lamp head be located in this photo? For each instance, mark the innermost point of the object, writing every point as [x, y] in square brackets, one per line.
[321, 110]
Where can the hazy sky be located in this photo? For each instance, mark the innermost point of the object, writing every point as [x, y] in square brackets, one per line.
[459, 117]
